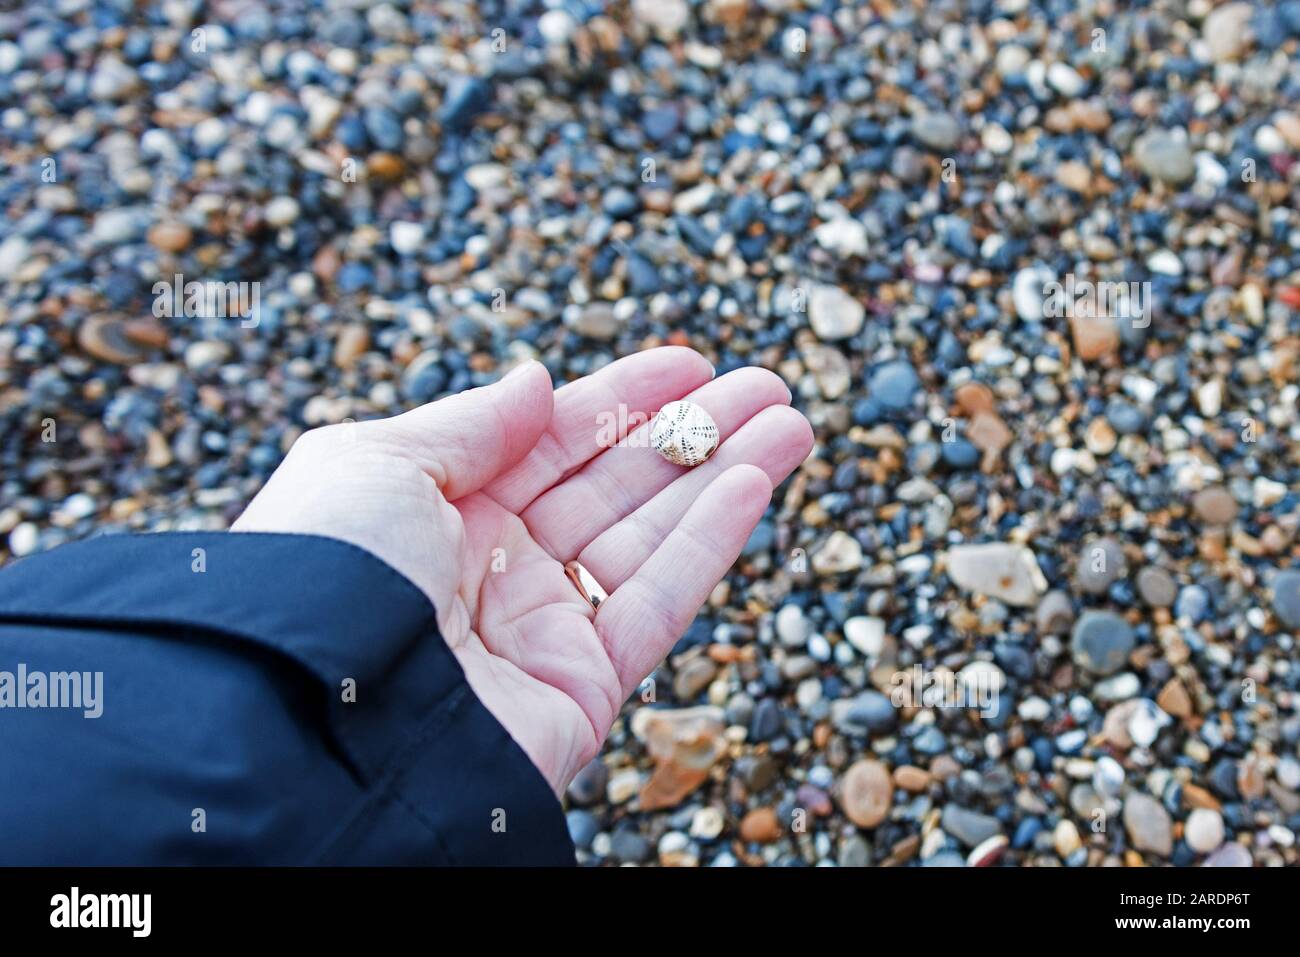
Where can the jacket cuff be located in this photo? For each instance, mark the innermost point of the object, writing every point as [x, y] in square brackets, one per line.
[411, 728]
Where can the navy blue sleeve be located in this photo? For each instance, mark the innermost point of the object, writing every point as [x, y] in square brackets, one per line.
[232, 698]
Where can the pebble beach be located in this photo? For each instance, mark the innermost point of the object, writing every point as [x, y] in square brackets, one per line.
[1034, 598]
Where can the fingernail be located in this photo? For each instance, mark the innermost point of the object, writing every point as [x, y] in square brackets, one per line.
[527, 363]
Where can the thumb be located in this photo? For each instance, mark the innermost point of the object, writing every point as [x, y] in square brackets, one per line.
[465, 440]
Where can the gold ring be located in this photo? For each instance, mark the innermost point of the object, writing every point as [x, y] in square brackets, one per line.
[587, 586]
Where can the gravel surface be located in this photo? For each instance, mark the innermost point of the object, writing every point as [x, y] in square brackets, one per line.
[1033, 599]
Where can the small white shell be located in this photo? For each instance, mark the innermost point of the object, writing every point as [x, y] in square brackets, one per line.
[684, 433]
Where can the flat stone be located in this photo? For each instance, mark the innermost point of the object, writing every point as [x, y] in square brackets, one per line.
[105, 338]
[693, 677]
[944, 767]
[970, 827]
[988, 433]
[869, 711]
[595, 320]
[1075, 176]
[1157, 587]
[911, 778]
[1231, 854]
[1101, 564]
[1215, 506]
[1148, 824]
[814, 799]
[170, 237]
[1226, 31]
[1164, 156]
[1054, 614]
[1119, 687]
[1007, 572]
[629, 847]
[973, 398]
[841, 553]
[842, 236]
[1065, 838]
[866, 793]
[938, 131]
[1101, 642]
[893, 384]
[833, 313]
[792, 627]
[1203, 830]
[1094, 336]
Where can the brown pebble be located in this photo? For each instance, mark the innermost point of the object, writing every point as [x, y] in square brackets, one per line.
[1215, 506]
[669, 784]
[760, 826]
[973, 398]
[988, 433]
[385, 166]
[730, 13]
[171, 237]
[1174, 699]
[1094, 337]
[1250, 778]
[1114, 727]
[1195, 796]
[911, 778]
[725, 654]
[158, 454]
[693, 677]
[904, 850]
[105, 338]
[1100, 437]
[353, 341]
[944, 767]
[866, 793]
[326, 264]
[1075, 176]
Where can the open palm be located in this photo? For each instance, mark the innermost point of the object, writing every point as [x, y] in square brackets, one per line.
[480, 499]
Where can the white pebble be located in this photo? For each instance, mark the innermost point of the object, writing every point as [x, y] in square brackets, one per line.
[406, 238]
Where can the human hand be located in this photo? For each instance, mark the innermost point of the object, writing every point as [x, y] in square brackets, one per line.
[480, 498]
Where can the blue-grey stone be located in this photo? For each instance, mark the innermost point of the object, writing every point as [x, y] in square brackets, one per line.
[1286, 598]
[1101, 642]
[893, 384]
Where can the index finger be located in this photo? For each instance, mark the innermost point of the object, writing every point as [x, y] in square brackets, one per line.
[621, 396]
